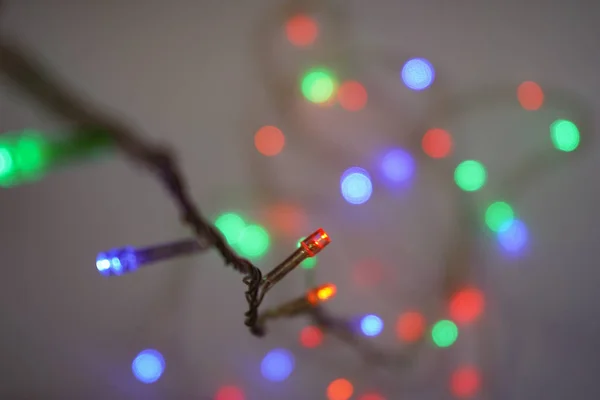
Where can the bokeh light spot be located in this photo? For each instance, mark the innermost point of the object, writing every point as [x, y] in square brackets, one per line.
[410, 326]
[513, 236]
[340, 389]
[230, 393]
[398, 165]
[318, 85]
[371, 325]
[356, 185]
[470, 175]
[352, 96]
[444, 333]
[418, 74]
[286, 219]
[301, 30]
[498, 214]
[437, 143]
[231, 226]
[564, 135]
[530, 95]
[277, 365]
[253, 241]
[148, 366]
[465, 382]
[269, 141]
[311, 337]
[367, 273]
[466, 305]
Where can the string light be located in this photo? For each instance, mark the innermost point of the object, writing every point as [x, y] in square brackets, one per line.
[437, 143]
[371, 325]
[230, 393]
[311, 336]
[352, 96]
[301, 30]
[565, 135]
[356, 185]
[499, 214]
[318, 85]
[444, 333]
[530, 96]
[418, 74]
[31, 155]
[410, 326]
[148, 366]
[466, 305]
[470, 175]
[125, 260]
[27, 155]
[340, 389]
[277, 365]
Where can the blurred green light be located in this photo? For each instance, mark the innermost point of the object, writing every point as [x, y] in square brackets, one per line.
[564, 135]
[444, 333]
[470, 175]
[498, 214]
[32, 155]
[231, 226]
[318, 85]
[253, 241]
[310, 262]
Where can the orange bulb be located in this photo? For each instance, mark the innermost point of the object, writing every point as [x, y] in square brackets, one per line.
[316, 242]
[340, 389]
[321, 293]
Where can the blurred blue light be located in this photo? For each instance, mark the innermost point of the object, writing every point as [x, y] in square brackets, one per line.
[117, 261]
[148, 366]
[277, 365]
[356, 185]
[371, 325]
[418, 74]
[513, 235]
[398, 165]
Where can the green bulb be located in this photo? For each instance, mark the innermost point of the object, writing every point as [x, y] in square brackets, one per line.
[253, 242]
[564, 135]
[444, 333]
[498, 214]
[309, 263]
[470, 175]
[231, 226]
[7, 165]
[32, 155]
[318, 85]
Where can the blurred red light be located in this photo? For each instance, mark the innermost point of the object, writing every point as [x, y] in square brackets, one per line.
[311, 337]
[229, 393]
[466, 305]
[530, 95]
[465, 382]
[437, 143]
[301, 30]
[352, 96]
[410, 326]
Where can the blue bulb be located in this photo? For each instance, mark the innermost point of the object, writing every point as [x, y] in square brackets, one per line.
[371, 325]
[398, 165]
[277, 365]
[148, 366]
[418, 74]
[356, 185]
[513, 236]
[117, 261]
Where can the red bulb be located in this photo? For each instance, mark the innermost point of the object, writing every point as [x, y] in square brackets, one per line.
[316, 242]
